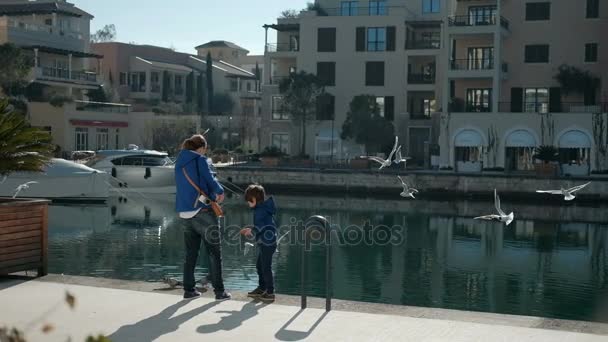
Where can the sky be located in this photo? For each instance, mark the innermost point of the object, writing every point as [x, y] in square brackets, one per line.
[184, 24]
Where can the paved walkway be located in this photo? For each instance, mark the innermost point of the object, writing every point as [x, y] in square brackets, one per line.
[125, 315]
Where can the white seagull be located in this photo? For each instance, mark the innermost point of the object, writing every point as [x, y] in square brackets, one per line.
[407, 190]
[384, 162]
[399, 158]
[248, 246]
[501, 216]
[568, 193]
[22, 187]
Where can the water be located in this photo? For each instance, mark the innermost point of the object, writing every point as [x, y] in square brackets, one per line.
[551, 262]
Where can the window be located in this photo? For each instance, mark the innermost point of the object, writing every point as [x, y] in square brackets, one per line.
[48, 22]
[234, 84]
[348, 8]
[431, 39]
[537, 54]
[430, 6]
[82, 138]
[280, 140]
[326, 107]
[380, 104]
[482, 15]
[377, 7]
[122, 78]
[326, 72]
[593, 8]
[179, 84]
[278, 113]
[248, 86]
[374, 73]
[155, 82]
[591, 52]
[538, 11]
[138, 82]
[536, 100]
[479, 100]
[480, 58]
[376, 38]
[155, 160]
[386, 107]
[102, 138]
[326, 39]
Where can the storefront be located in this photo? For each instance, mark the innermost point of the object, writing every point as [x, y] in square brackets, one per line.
[574, 153]
[519, 151]
[469, 148]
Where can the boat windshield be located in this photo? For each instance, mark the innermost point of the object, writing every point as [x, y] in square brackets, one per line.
[143, 160]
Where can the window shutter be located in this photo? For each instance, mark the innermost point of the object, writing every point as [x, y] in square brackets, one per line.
[390, 38]
[389, 108]
[360, 39]
[517, 98]
[555, 100]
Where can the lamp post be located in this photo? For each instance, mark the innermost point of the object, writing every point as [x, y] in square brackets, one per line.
[331, 158]
[229, 133]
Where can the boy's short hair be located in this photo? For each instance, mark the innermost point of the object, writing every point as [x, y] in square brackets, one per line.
[255, 191]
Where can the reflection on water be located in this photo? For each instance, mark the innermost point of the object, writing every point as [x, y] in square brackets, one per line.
[535, 267]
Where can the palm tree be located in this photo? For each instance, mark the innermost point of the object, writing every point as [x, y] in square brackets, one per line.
[22, 147]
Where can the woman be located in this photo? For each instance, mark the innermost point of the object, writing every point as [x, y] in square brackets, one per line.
[198, 192]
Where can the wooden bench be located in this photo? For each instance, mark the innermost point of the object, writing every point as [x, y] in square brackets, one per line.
[23, 235]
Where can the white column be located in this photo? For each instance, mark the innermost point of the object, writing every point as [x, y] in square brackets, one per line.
[36, 57]
[148, 83]
[496, 81]
[70, 73]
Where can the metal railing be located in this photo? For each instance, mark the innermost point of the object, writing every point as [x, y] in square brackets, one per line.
[77, 75]
[48, 29]
[102, 107]
[422, 44]
[322, 225]
[421, 78]
[277, 79]
[472, 64]
[477, 20]
[420, 116]
[557, 107]
[282, 47]
[357, 11]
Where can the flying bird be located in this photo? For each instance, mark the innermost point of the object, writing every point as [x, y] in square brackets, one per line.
[567, 193]
[407, 190]
[399, 158]
[22, 187]
[501, 216]
[384, 162]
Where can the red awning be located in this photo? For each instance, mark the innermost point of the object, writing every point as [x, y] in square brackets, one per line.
[96, 123]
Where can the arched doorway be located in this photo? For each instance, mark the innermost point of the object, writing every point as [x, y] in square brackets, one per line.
[468, 151]
[575, 153]
[519, 151]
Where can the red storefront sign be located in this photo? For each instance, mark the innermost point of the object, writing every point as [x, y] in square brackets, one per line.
[97, 123]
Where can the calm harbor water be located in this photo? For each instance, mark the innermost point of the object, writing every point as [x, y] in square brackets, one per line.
[551, 263]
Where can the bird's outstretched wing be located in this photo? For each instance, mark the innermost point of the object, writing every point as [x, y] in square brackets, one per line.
[497, 204]
[487, 217]
[404, 184]
[577, 188]
[552, 192]
[372, 158]
[390, 156]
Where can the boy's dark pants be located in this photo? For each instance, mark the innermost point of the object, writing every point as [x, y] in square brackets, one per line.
[204, 227]
[264, 267]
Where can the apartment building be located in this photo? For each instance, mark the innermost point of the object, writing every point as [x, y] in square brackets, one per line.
[475, 78]
[160, 80]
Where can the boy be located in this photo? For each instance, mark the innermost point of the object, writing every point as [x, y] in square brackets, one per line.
[265, 232]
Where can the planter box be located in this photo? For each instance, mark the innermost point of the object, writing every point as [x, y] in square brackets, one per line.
[300, 163]
[23, 235]
[270, 161]
[359, 164]
[545, 169]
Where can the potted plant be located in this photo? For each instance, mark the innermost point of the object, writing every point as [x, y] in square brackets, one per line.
[23, 222]
[546, 156]
[271, 156]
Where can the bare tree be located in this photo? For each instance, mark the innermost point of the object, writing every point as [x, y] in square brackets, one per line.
[106, 34]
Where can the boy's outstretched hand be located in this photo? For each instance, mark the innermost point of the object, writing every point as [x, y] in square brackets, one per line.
[247, 232]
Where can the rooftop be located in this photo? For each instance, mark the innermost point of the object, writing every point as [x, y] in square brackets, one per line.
[24, 7]
[220, 43]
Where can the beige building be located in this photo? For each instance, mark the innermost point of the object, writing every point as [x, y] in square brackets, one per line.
[448, 73]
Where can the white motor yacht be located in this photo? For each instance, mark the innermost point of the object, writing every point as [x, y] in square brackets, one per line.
[61, 180]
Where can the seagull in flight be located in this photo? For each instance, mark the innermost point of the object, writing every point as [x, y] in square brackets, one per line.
[385, 162]
[248, 246]
[501, 216]
[399, 158]
[22, 187]
[567, 193]
[407, 190]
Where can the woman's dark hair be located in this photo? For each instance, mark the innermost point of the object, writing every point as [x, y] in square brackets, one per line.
[255, 191]
[194, 142]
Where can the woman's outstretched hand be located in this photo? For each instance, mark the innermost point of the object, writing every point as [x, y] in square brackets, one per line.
[247, 232]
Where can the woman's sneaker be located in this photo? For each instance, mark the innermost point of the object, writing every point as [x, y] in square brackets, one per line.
[191, 294]
[256, 293]
[267, 297]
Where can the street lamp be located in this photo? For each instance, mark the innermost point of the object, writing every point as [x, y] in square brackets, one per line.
[229, 133]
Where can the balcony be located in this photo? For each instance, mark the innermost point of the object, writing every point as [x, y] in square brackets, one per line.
[471, 68]
[352, 11]
[475, 24]
[63, 75]
[422, 44]
[428, 78]
[557, 107]
[282, 47]
[28, 34]
[90, 106]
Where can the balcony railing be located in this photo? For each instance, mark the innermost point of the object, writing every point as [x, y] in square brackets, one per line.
[282, 47]
[357, 11]
[79, 75]
[472, 64]
[557, 107]
[422, 44]
[421, 78]
[420, 116]
[276, 80]
[477, 20]
[49, 29]
[102, 107]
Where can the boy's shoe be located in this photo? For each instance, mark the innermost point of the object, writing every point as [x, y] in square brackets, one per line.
[256, 293]
[267, 297]
[223, 296]
[191, 294]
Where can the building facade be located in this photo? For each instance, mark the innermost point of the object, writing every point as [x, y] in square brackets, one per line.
[470, 82]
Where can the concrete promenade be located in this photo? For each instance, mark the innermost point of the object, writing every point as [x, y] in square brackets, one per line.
[136, 311]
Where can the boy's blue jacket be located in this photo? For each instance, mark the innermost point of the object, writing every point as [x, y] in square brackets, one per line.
[265, 228]
[186, 197]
